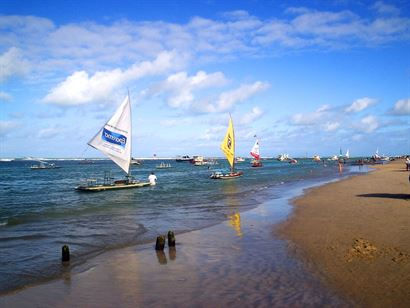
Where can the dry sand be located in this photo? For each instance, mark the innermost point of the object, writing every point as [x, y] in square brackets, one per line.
[356, 232]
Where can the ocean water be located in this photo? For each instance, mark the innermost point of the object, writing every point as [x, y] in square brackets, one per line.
[40, 210]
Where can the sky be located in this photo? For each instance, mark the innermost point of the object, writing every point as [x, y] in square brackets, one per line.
[305, 77]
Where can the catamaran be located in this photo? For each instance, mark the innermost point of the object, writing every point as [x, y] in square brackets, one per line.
[256, 162]
[228, 148]
[114, 141]
[44, 165]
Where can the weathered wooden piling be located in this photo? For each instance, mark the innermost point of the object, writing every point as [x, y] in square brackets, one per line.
[160, 244]
[171, 239]
[65, 254]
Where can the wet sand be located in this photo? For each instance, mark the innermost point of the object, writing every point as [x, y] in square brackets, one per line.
[356, 233]
[239, 263]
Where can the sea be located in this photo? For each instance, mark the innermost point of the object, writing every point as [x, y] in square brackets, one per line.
[40, 210]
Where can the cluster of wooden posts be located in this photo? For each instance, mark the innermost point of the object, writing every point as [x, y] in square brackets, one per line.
[159, 245]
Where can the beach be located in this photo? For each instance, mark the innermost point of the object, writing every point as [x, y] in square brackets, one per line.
[352, 251]
[356, 232]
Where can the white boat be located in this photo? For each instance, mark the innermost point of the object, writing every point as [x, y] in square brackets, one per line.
[114, 141]
[184, 158]
[256, 162]
[283, 157]
[333, 158]
[347, 155]
[316, 158]
[163, 165]
[228, 148]
[44, 165]
[239, 160]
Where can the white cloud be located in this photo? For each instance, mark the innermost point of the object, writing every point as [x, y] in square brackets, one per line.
[331, 126]
[212, 133]
[250, 117]
[401, 107]
[90, 46]
[6, 127]
[80, 88]
[181, 87]
[12, 64]
[383, 8]
[48, 133]
[369, 124]
[360, 104]
[5, 96]
[228, 99]
[312, 118]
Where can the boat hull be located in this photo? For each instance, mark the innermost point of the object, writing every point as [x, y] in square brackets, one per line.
[96, 188]
[226, 176]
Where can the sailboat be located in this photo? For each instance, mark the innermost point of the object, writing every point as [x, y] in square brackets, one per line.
[256, 162]
[114, 141]
[228, 148]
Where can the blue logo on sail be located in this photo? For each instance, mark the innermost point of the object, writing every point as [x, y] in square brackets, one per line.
[114, 138]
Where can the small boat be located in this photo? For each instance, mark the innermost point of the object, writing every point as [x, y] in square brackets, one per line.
[86, 162]
[198, 160]
[135, 162]
[163, 165]
[283, 157]
[44, 165]
[184, 158]
[114, 140]
[333, 158]
[316, 158]
[240, 160]
[293, 161]
[228, 148]
[256, 162]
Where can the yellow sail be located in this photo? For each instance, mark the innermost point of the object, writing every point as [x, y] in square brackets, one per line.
[228, 144]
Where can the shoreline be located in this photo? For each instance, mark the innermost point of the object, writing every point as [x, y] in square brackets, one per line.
[238, 261]
[356, 234]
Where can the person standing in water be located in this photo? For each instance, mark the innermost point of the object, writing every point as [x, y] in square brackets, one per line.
[152, 178]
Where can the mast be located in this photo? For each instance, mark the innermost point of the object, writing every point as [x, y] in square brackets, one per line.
[233, 138]
[129, 168]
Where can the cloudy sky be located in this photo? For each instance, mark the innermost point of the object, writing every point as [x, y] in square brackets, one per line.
[305, 77]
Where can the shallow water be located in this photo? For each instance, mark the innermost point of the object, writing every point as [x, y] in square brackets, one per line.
[40, 211]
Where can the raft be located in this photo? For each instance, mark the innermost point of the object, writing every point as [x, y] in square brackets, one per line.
[122, 185]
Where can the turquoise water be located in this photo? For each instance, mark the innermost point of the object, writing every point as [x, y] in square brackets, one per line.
[40, 211]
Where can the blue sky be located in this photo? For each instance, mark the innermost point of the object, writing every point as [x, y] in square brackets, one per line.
[305, 77]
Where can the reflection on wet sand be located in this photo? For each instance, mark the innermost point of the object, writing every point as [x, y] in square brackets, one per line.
[230, 189]
[162, 258]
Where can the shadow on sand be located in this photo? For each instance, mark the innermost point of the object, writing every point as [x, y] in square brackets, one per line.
[389, 196]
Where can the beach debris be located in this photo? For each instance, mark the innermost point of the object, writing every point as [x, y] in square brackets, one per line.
[65, 253]
[160, 244]
[361, 249]
[171, 239]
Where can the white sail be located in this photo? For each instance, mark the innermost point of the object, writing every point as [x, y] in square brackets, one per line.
[255, 150]
[347, 154]
[114, 138]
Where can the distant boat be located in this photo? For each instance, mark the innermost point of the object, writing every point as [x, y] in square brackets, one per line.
[334, 158]
[239, 160]
[184, 158]
[316, 158]
[86, 162]
[135, 161]
[44, 165]
[163, 165]
[228, 148]
[283, 157]
[114, 140]
[347, 155]
[293, 161]
[256, 162]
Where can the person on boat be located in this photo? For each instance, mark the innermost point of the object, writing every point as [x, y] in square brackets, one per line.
[152, 178]
[408, 163]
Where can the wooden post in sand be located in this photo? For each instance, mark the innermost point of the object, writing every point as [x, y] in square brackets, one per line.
[171, 239]
[160, 244]
[65, 254]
